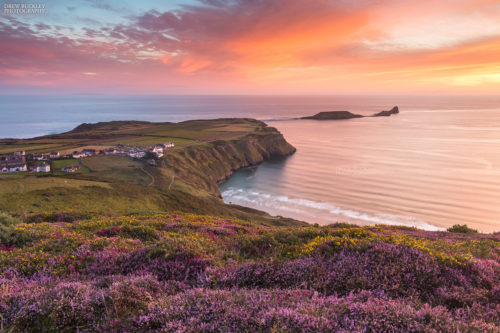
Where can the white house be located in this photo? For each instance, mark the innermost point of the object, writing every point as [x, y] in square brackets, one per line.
[42, 167]
[13, 168]
[90, 152]
[71, 168]
[13, 163]
[168, 145]
[79, 154]
[137, 154]
[157, 149]
[54, 154]
[39, 157]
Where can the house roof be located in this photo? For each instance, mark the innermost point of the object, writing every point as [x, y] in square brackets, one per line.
[11, 163]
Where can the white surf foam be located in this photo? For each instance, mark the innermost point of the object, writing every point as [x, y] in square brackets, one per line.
[305, 207]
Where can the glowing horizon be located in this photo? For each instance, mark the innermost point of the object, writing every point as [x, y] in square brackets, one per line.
[253, 47]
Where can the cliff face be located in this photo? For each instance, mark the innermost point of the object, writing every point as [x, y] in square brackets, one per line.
[203, 166]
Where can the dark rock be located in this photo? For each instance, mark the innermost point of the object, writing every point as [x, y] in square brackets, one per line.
[340, 115]
[333, 115]
[394, 110]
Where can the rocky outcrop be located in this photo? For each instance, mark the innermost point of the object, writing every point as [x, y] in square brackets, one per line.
[394, 110]
[204, 166]
[340, 115]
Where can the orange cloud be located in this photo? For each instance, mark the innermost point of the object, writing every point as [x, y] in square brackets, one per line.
[268, 46]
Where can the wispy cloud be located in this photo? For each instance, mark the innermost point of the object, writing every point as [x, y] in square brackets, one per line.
[283, 46]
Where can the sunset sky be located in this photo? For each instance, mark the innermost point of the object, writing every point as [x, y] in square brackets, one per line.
[252, 47]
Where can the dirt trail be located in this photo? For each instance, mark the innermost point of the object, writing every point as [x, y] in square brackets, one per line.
[21, 187]
[150, 175]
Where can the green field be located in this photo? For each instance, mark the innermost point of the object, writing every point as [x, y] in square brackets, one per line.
[181, 133]
[134, 133]
[105, 163]
[32, 183]
[149, 141]
[118, 168]
[29, 148]
[59, 164]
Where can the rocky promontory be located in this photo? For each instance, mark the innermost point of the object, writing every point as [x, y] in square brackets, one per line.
[341, 115]
[204, 166]
[392, 111]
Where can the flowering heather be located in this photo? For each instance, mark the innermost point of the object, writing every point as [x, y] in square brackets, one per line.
[191, 273]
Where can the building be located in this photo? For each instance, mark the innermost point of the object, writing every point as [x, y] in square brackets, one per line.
[77, 154]
[41, 167]
[55, 154]
[4, 168]
[168, 145]
[157, 149]
[90, 152]
[39, 157]
[13, 163]
[137, 154]
[19, 153]
[71, 168]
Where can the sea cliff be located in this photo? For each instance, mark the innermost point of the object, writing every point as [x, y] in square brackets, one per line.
[208, 164]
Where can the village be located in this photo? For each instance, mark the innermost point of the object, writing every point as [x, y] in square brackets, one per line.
[19, 161]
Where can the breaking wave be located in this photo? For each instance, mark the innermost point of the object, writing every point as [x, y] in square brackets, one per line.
[310, 209]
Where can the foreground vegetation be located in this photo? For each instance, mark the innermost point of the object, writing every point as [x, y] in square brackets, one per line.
[187, 272]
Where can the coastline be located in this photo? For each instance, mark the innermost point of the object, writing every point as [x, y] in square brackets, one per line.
[293, 207]
[206, 152]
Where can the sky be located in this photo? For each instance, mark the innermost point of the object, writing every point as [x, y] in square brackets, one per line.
[251, 47]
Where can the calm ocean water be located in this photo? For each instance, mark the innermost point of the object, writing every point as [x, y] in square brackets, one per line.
[435, 164]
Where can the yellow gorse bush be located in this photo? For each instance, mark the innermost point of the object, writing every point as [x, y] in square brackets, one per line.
[220, 239]
[455, 254]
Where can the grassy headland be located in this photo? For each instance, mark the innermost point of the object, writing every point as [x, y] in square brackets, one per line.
[185, 179]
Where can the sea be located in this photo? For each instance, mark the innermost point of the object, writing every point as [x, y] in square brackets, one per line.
[433, 165]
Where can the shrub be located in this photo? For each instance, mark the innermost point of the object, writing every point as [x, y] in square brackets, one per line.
[463, 229]
[57, 217]
[8, 220]
[142, 232]
[7, 229]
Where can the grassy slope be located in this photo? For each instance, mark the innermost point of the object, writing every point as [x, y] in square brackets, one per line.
[120, 185]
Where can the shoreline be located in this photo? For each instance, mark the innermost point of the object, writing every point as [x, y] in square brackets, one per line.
[303, 210]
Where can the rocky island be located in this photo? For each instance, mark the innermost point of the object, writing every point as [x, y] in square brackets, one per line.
[392, 111]
[333, 115]
[340, 115]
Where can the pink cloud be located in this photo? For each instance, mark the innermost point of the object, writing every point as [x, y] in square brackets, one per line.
[250, 46]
